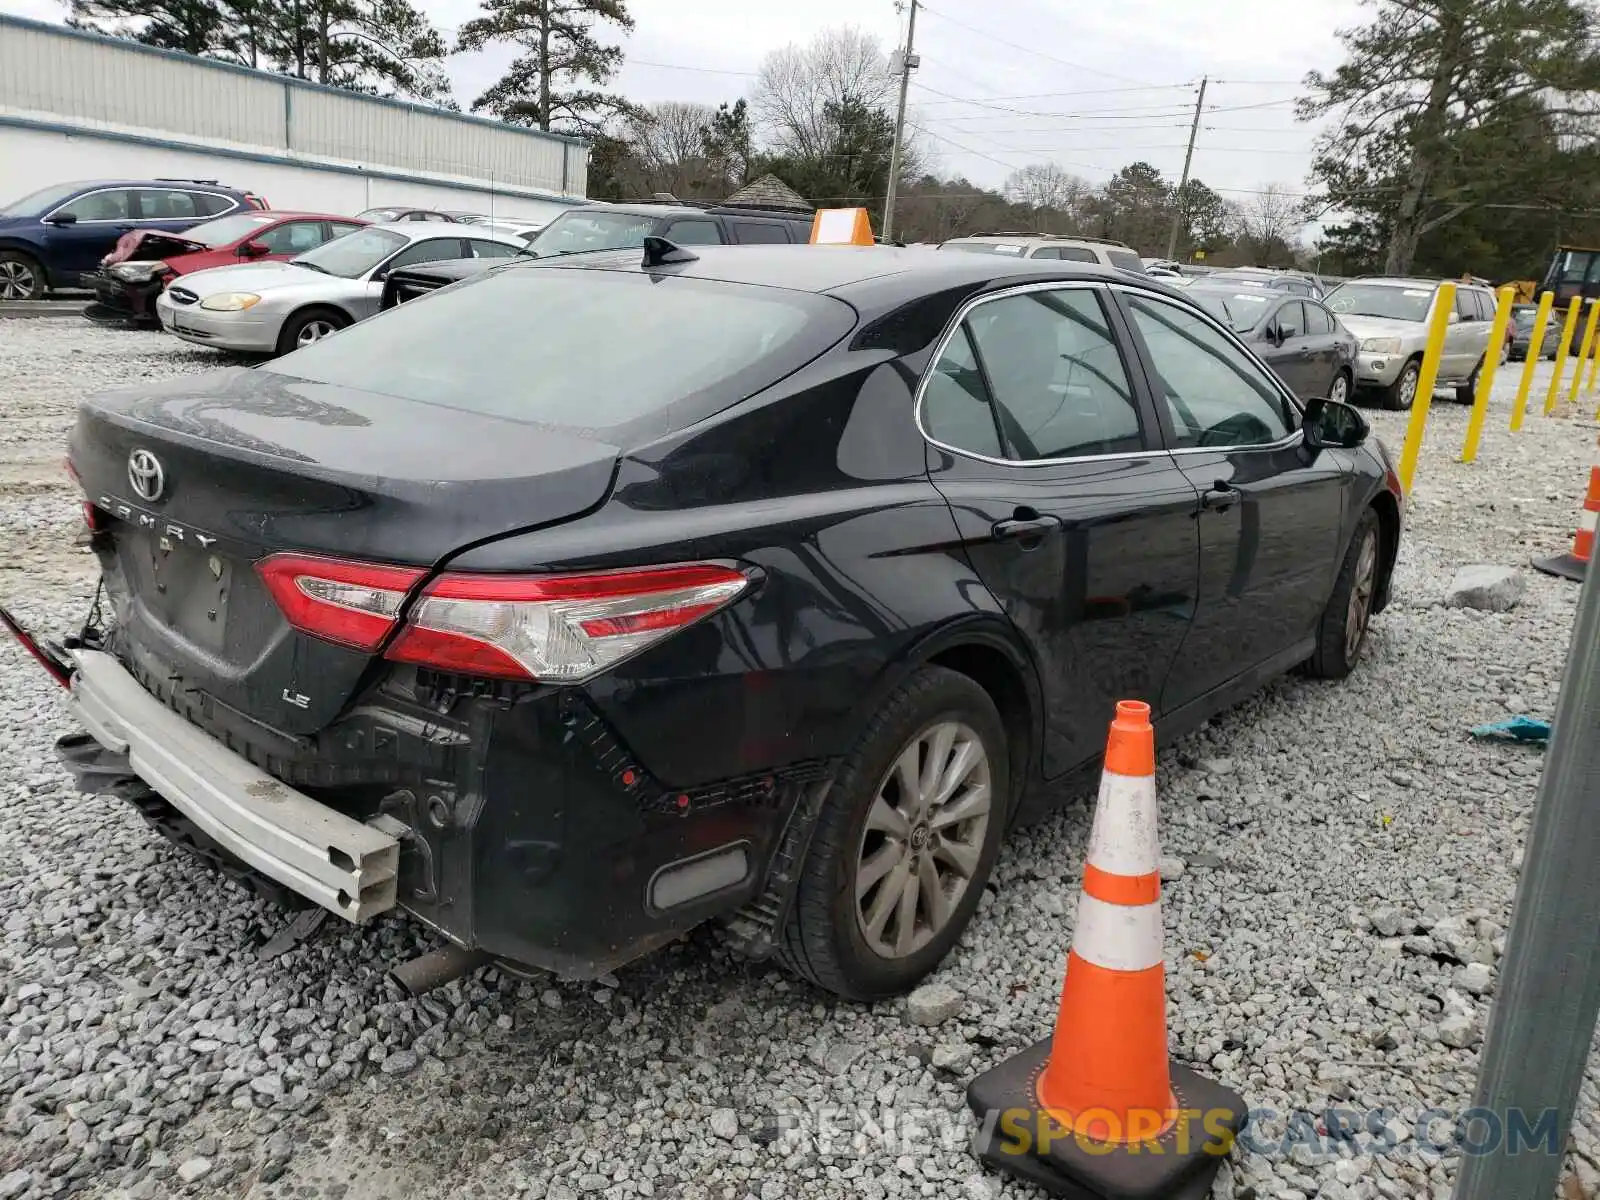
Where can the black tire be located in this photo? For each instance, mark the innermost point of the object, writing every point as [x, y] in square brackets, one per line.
[1336, 652]
[822, 941]
[289, 338]
[1402, 393]
[21, 276]
[1467, 392]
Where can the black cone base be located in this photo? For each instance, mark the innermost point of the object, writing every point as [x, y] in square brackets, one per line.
[1180, 1166]
[1563, 565]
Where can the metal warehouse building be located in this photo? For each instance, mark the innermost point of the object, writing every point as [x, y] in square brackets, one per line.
[78, 105]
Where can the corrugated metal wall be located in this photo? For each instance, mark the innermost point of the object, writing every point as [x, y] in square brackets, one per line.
[77, 77]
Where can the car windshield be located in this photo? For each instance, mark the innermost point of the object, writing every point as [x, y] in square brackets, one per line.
[224, 230]
[41, 201]
[1241, 310]
[1523, 314]
[985, 247]
[352, 255]
[379, 215]
[501, 345]
[581, 232]
[1389, 301]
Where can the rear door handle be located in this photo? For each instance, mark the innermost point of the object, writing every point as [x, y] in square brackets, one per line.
[1023, 528]
[1220, 497]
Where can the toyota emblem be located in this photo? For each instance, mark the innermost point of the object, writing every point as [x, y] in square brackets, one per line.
[146, 475]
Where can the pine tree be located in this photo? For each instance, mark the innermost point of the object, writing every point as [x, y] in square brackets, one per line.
[382, 47]
[1448, 104]
[546, 86]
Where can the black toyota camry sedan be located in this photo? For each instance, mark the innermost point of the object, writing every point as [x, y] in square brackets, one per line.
[589, 600]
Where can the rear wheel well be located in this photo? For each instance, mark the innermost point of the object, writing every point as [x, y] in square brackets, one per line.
[997, 675]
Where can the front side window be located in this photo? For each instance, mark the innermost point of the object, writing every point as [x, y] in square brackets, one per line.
[117, 204]
[1214, 394]
[483, 248]
[1291, 319]
[1055, 375]
[430, 250]
[293, 237]
[955, 404]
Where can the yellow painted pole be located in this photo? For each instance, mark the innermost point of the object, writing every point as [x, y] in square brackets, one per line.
[1444, 303]
[1562, 350]
[1541, 319]
[1486, 372]
[1594, 360]
[1583, 354]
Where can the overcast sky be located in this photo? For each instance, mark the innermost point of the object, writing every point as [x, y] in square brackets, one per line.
[1092, 86]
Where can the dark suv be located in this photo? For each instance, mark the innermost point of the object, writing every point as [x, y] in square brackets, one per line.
[623, 227]
[50, 238]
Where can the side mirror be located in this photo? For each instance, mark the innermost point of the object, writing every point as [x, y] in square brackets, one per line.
[1285, 332]
[1454, 318]
[62, 219]
[254, 250]
[1330, 424]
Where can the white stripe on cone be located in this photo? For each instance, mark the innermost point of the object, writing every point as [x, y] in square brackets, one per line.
[1586, 520]
[1119, 937]
[1123, 840]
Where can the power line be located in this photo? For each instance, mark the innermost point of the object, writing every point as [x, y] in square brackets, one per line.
[1144, 87]
[661, 66]
[1026, 49]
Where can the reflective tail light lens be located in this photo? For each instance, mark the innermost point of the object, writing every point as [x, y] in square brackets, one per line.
[559, 628]
[563, 629]
[93, 519]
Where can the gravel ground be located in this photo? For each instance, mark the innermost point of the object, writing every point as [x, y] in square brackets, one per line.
[1343, 862]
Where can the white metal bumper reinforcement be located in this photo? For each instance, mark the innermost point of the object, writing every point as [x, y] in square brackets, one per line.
[345, 866]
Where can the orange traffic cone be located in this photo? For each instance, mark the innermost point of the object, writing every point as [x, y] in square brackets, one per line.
[1100, 1109]
[1576, 564]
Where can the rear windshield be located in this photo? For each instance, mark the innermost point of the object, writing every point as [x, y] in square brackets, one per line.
[1126, 260]
[224, 230]
[1393, 302]
[615, 356]
[581, 232]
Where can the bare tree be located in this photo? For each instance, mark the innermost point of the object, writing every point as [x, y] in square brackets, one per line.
[668, 142]
[1054, 194]
[799, 86]
[1270, 222]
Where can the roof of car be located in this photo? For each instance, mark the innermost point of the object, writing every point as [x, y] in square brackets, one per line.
[1055, 239]
[833, 268]
[415, 231]
[285, 214]
[1409, 281]
[84, 184]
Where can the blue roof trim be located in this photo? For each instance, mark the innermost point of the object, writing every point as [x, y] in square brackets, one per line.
[289, 81]
[139, 139]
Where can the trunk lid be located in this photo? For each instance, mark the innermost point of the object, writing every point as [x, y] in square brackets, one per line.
[249, 463]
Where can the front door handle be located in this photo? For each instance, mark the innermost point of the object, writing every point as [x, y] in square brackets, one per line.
[1219, 497]
[1025, 528]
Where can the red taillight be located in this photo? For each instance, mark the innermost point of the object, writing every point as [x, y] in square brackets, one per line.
[561, 628]
[92, 516]
[353, 604]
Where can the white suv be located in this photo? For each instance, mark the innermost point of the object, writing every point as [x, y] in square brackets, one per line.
[1049, 245]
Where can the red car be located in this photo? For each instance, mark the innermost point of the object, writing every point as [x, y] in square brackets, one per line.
[145, 261]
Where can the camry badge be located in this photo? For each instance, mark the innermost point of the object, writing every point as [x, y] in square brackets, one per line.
[146, 475]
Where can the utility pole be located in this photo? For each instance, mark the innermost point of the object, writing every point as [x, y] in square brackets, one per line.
[1188, 155]
[907, 61]
[1548, 992]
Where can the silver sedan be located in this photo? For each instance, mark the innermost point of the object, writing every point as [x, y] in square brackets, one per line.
[273, 308]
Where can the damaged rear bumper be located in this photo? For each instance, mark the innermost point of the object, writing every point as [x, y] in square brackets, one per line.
[345, 866]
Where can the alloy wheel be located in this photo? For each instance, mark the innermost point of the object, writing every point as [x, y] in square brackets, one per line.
[17, 280]
[314, 331]
[1359, 610]
[1408, 387]
[1339, 392]
[923, 839]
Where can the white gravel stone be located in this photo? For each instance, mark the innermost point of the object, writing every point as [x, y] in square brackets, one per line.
[1475, 978]
[1171, 868]
[191, 1170]
[932, 1004]
[725, 1124]
[1486, 588]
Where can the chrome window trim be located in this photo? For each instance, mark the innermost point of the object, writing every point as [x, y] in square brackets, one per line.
[1052, 285]
[233, 205]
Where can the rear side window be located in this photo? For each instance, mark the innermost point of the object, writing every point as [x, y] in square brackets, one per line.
[694, 233]
[502, 344]
[759, 233]
[1465, 308]
[1318, 319]
[955, 404]
[1055, 375]
[168, 205]
[209, 204]
[1485, 303]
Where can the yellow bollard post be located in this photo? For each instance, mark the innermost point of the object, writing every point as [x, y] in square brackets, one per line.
[1486, 372]
[1594, 359]
[1583, 354]
[1541, 319]
[1444, 303]
[1562, 350]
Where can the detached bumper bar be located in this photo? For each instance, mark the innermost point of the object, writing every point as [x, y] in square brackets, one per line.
[345, 866]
